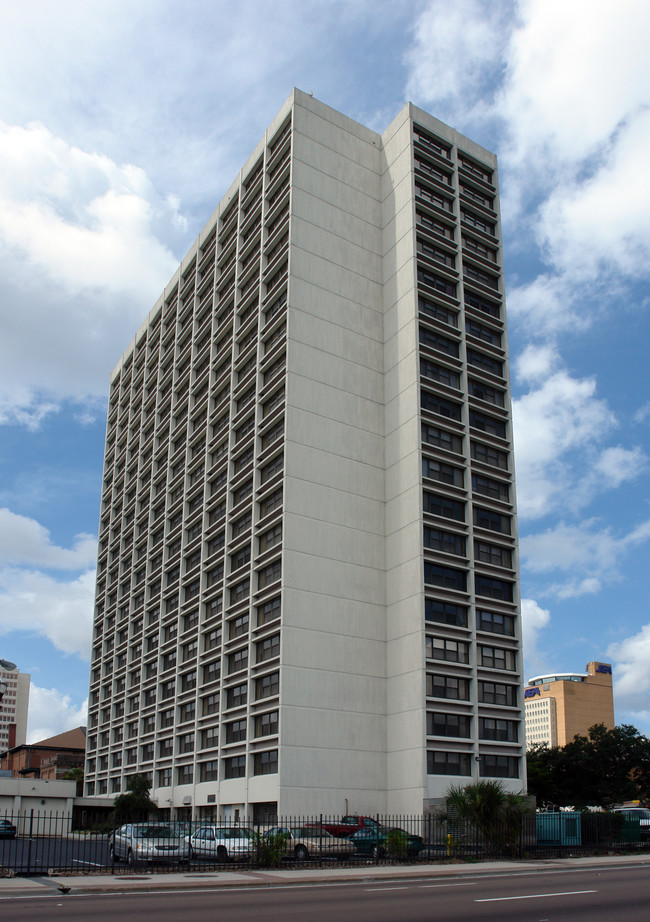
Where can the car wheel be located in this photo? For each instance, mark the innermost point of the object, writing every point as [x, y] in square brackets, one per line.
[301, 853]
[377, 851]
[222, 853]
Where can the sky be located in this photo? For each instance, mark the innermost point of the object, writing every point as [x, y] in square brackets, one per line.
[124, 122]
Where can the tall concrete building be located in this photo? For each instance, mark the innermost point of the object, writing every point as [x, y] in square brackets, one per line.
[307, 593]
[14, 705]
[559, 706]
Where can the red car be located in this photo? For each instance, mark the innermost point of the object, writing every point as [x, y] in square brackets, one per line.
[348, 825]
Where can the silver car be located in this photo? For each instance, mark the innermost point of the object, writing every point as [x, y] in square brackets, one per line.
[222, 843]
[135, 842]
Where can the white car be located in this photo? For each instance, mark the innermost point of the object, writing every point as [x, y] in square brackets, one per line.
[223, 843]
[147, 842]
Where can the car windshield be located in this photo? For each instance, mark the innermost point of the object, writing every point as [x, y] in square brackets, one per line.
[313, 831]
[154, 832]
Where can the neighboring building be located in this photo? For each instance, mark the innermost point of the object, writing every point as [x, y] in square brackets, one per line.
[36, 807]
[565, 704]
[14, 705]
[48, 759]
[307, 591]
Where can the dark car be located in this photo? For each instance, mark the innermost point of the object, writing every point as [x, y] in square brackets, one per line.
[387, 840]
[7, 830]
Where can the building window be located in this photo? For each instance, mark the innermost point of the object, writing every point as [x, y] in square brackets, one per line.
[166, 748]
[447, 577]
[493, 554]
[237, 695]
[240, 591]
[441, 686]
[453, 651]
[435, 404]
[487, 423]
[432, 435]
[503, 731]
[447, 724]
[236, 731]
[497, 658]
[497, 693]
[448, 763]
[445, 541]
[188, 711]
[210, 738]
[443, 472]
[444, 507]
[168, 689]
[271, 538]
[186, 742]
[269, 574]
[275, 466]
[493, 521]
[268, 648]
[493, 766]
[436, 341]
[212, 671]
[266, 763]
[269, 611]
[486, 362]
[445, 613]
[235, 767]
[185, 774]
[237, 627]
[238, 660]
[210, 704]
[240, 558]
[495, 489]
[271, 503]
[494, 588]
[210, 770]
[495, 622]
[266, 724]
[267, 685]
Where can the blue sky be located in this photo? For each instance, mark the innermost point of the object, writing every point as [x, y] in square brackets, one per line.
[122, 124]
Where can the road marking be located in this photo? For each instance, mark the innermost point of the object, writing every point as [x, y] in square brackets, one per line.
[533, 896]
[94, 864]
[379, 889]
[431, 886]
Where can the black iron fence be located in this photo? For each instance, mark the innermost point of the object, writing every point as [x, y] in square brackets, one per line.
[39, 843]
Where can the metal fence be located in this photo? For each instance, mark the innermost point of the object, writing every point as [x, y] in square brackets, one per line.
[46, 843]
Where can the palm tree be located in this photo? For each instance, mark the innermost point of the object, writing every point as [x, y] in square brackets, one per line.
[495, 812]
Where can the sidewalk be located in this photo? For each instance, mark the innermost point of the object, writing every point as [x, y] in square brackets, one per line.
[128, 882]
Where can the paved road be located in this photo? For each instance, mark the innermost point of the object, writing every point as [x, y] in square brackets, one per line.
[620, 893]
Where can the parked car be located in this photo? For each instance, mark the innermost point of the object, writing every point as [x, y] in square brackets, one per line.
[311, 841]
[222, 842]
[7, 830]
[147, 842]
[348, 825]
[386, 840]
[644, 818]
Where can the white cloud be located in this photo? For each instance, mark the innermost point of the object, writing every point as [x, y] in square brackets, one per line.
[591, 555]
[457, 56]
[83, 258]
[534, 619]
[52, 712]
[561, 416]
[631, 668]
[25, 541]
[536, 363]
[618, 464]
[33, 602]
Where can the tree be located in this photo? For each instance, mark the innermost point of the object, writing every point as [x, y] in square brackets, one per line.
[75, 774]
[495, 812]
[601, 769]
[135, 805]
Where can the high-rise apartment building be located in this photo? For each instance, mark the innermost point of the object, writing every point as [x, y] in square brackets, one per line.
[560, 705]
[14, 705]
[307, 591]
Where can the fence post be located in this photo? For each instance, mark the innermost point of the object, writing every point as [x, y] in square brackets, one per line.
[29, 847]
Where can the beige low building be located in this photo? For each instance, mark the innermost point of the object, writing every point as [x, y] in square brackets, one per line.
[561, 705]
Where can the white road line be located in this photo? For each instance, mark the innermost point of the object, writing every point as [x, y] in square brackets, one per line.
[534, 896]
[379, 889]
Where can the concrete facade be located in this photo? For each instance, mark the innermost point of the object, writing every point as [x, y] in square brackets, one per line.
[561, 706]
[307, 590]
[14, 705]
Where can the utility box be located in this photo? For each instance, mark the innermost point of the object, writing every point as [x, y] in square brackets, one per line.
[559, 828]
